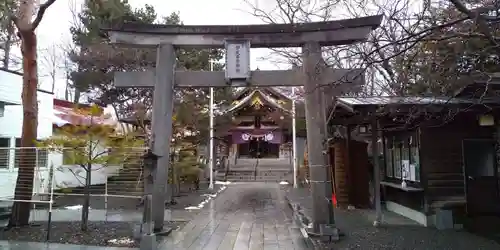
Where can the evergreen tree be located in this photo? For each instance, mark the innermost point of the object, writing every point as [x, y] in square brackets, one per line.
[97, 61]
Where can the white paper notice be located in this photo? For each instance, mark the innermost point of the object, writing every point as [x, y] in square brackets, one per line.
[412, 172]
[405, 164]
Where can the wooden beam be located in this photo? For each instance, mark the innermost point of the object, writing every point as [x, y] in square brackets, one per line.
[267, 40]
[261, 78]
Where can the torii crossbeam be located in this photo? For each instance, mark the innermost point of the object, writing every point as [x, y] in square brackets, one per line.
[237, 40]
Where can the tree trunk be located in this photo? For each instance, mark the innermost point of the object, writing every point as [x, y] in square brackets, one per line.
[76, 97]
[24, 184]
[86, 201]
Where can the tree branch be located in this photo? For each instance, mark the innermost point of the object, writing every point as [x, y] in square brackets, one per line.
[40, 13]
[480, 21]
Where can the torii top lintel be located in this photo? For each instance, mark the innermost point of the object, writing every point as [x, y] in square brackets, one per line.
[328, 33]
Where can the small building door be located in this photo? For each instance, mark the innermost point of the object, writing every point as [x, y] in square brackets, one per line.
[481, 177]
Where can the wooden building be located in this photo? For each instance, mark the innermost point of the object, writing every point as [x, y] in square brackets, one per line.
[439, 156]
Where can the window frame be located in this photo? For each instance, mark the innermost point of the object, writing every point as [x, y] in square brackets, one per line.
[7, 155]
[402, 145]
[37, 150]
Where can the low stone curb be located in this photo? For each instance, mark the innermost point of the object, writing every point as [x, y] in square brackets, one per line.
[302, 221]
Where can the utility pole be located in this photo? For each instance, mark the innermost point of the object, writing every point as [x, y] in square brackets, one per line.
[211, 149]
[294, 141]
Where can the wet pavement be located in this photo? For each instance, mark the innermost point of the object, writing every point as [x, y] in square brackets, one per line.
[244, 216]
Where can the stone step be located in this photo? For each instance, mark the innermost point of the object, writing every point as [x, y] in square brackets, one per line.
[5, 210]
[253, 178]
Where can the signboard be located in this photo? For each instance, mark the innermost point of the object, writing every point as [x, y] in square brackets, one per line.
[237, 60]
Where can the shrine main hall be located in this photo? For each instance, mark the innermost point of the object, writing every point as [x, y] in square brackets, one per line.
[261, 124]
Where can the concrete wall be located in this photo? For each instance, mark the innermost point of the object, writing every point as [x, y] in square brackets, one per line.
[65, 176]
[11, 122]
[10, 87]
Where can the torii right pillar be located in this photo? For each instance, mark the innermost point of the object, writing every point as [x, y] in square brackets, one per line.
[318, 168]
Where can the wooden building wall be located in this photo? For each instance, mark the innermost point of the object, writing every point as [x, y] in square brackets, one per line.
[441, 158]
[351, 173]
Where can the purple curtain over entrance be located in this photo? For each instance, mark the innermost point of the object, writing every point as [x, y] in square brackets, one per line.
[243, 136]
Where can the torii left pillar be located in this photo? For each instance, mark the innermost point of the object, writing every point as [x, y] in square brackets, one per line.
[163, 96]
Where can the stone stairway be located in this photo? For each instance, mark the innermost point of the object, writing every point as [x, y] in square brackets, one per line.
[259, 170]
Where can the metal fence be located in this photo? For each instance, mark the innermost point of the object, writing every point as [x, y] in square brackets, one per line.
[60, 178]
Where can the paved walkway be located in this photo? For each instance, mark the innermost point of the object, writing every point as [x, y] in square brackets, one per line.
[245, 216]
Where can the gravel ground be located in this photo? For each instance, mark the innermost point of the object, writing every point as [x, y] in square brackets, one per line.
[115, 234]
[396, 233]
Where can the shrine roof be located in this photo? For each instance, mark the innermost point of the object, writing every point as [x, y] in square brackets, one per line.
[64, 113]
[283, 92]
[256, 93]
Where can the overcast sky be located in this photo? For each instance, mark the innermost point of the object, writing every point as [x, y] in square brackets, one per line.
[54, 28]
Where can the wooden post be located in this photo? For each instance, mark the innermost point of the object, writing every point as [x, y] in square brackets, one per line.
[163, 96]
[348, 165]
[376, 172]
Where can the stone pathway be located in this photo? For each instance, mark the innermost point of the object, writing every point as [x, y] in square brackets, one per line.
[396, 232]
[244, 216]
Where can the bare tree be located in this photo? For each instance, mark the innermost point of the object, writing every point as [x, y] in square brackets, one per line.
[290, 11]
[26, 27]
[391, 52]
[52, 63]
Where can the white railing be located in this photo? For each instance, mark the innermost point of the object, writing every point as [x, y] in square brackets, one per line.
[58, 174]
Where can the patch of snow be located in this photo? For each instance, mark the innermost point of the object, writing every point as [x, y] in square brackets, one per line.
[284, 183]
[304, 233]
[210, 195]
[75, 207]
[208, 198]
[121, 241]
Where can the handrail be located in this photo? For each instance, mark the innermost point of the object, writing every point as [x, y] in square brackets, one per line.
[255, 171]
[227, 164]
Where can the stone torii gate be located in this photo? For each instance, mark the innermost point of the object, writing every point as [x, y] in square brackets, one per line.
[237, 40]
